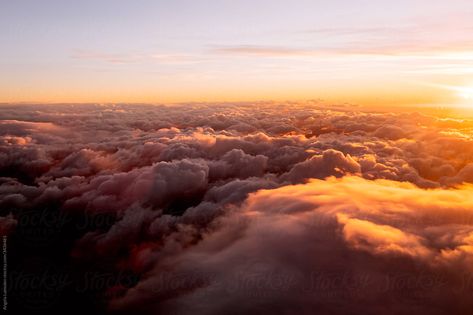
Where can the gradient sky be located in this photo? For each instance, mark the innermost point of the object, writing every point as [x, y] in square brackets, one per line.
[359, 51]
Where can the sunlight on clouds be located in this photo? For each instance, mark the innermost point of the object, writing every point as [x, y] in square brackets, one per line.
[205, 198]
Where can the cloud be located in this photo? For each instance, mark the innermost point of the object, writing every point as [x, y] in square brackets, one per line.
[465, 175]
[135, 58]
[7, 224]
[330, 163]
[249, 207]
[305, 247]
[264, 51]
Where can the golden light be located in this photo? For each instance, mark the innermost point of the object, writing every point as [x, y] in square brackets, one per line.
[466, 92]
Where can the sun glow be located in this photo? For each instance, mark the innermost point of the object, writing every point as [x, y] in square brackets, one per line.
[466, 93]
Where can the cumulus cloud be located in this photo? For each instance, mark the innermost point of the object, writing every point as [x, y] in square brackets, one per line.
[329, 163]
[387, 240]
[254, 208]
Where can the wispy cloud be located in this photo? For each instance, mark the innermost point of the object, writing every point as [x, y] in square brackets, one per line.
[115, 58]
[265, 51]
[133, 58]
[403, 39]
[438, 51]
[358, 31]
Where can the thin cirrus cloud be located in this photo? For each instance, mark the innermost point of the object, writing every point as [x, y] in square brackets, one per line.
[403, 40]
[262, 51]
[135, 58]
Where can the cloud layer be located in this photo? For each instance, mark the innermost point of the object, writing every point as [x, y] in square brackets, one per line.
[251, 208]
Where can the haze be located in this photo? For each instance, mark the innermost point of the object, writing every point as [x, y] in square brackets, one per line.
[408, 52]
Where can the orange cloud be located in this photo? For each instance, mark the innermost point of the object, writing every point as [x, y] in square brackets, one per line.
[381, 217]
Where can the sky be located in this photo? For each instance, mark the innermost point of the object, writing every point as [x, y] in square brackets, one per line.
[406, 52]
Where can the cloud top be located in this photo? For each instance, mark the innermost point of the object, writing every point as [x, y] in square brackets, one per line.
[249, 208]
